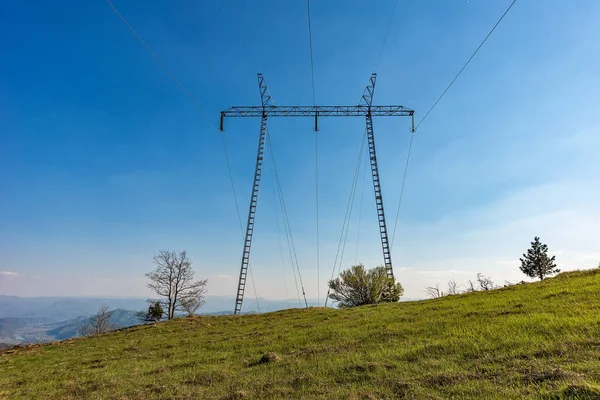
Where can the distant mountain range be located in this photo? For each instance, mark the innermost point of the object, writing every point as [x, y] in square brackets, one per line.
[26, 320]
[119, 317]
[14, 330]
[62, 308]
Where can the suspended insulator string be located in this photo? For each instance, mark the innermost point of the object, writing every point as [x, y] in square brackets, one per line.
[286, 219]
[465, 66]
[347, 214]
[412, 135]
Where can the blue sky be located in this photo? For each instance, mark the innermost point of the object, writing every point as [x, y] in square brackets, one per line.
[104, 160]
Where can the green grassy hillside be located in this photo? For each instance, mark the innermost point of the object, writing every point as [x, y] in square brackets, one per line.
[539, 340]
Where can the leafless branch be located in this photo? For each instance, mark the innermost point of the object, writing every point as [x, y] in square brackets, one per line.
[98, 324]
[434, 291]
[485, 282]
[452, 287]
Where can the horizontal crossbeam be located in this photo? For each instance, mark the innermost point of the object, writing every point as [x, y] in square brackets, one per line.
[320, 111]
[316, 112]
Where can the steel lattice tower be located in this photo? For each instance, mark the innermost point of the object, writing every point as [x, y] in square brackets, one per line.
[269, 109]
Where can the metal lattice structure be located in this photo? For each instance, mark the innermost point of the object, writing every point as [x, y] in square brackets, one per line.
[268, 109]
[265, 99]
[367, 98]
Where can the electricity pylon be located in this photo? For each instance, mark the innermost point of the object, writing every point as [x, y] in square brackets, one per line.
[269, 109]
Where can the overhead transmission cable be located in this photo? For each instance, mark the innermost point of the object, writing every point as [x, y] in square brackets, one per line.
[203, 112]
[434, 105]
[286, 222]
[287, 296]
[312, 75]
[277, 197]
[312, 65]
[465, 65]
[387, 32]
[412, 136]
[362, 195]
[339, 255]
[289, 238]
[249, 44]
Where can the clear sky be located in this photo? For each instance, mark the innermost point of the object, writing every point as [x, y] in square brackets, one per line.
[104, 160]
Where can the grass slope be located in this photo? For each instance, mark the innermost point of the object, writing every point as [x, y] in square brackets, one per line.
[538, 340]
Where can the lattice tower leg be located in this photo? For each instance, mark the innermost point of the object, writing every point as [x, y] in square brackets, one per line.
[385, 243]
[251, 216]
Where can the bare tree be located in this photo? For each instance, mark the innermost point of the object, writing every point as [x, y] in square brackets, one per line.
[173, 280]
[485, 282]
[99, 323]
[434, 291]
[452, 287]
[191, 304]
[470, 286]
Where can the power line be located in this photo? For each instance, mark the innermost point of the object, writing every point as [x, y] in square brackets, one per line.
[287, 296]
[362, 195]
[249, 44]
[339, 255]
[237, 209]
[202, 111]
[312, 74]
[465, 66]
[387, 32]
[412, 135]
[317, 212]
[190, 96]
[286, 221]
[431, 109]
[312, 67]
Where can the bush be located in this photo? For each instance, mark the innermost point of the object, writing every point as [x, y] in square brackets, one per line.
[358, 286]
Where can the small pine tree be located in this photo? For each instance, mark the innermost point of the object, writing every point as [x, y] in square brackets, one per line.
[155, 311]
[536, 263]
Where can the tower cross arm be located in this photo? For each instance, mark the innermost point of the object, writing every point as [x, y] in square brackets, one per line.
[321, 111]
